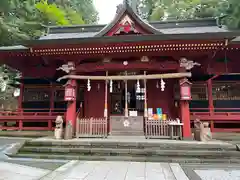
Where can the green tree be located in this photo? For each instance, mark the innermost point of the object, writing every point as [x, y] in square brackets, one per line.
[51, 14]
[83, 8]
[184, 9]
[232, 15]
[25, 19]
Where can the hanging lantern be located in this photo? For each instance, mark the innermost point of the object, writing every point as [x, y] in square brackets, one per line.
[70, 92]
[185, 90]
[111, 86]
[162, 85]
[88, 85]
[138, 87]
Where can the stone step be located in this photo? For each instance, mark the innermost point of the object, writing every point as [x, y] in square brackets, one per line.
[126, 158]
[134, 145]
[131, 152]
[127, 133]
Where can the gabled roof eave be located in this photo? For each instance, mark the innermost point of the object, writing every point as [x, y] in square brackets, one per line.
[126, 9]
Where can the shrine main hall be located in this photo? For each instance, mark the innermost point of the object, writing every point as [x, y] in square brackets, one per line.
[125, 77]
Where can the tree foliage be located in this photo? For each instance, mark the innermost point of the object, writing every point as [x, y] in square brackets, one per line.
[232, 18]
[25, 19]
[184, 9]
[192, 9]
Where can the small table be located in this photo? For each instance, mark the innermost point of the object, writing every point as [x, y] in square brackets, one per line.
[179, 126]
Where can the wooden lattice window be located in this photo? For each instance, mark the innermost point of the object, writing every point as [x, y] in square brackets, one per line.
[226, 91]
[59, 94]
[36, 94]
[199, 91]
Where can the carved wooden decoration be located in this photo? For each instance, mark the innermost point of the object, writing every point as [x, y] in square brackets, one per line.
[126, 25]
[67, 67]
[144, 59]
[187, 64]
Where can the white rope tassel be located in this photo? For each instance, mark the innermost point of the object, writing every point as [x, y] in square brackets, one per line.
[88, 85]
[138, 87]
[111, 86]
[162, 85]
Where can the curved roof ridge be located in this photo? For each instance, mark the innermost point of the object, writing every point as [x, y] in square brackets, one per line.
[123, 9]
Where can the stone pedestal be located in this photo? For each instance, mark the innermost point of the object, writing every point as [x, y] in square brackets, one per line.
[126, 126]
[58, 133]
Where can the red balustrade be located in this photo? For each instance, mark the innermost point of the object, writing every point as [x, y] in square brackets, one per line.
[220, 114]
[29, 115]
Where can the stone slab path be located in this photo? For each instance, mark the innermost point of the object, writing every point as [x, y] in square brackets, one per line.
[107, 170]
[9, 171]
[219, 174]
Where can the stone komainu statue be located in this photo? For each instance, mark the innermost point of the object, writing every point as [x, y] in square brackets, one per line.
[202, 131]
[59, 127]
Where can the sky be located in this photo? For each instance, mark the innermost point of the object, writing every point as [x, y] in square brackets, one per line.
[106, 9]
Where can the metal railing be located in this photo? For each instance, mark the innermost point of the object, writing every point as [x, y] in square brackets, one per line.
[91, 127]
[163, 129]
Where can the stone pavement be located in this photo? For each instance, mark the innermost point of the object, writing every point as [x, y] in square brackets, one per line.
[107, 170]
[10, 171]
[6, 142]
[218, 174]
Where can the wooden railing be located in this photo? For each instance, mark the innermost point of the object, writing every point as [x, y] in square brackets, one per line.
[162, 129]
[24, 119]
[91, 127]
[215, 113]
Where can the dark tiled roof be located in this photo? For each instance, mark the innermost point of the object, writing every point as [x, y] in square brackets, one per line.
[18, 47]
[137, 38]
[68, 35]
[236, 40]
[164, 27]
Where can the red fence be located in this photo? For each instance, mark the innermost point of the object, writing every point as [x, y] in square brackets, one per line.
[162, 129]
[92, 127]
[20, 118]
[219, 114]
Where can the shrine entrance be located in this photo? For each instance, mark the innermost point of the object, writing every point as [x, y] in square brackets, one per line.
[135, 98]
[127, 108]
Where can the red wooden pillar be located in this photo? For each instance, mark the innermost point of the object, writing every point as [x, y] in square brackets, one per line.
[51, 105]
[185, 91]
[72, 107]
[20, 102]
[210, 102]
[185, 117]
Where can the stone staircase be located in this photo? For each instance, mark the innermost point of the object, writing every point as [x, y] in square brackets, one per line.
[131, 150]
